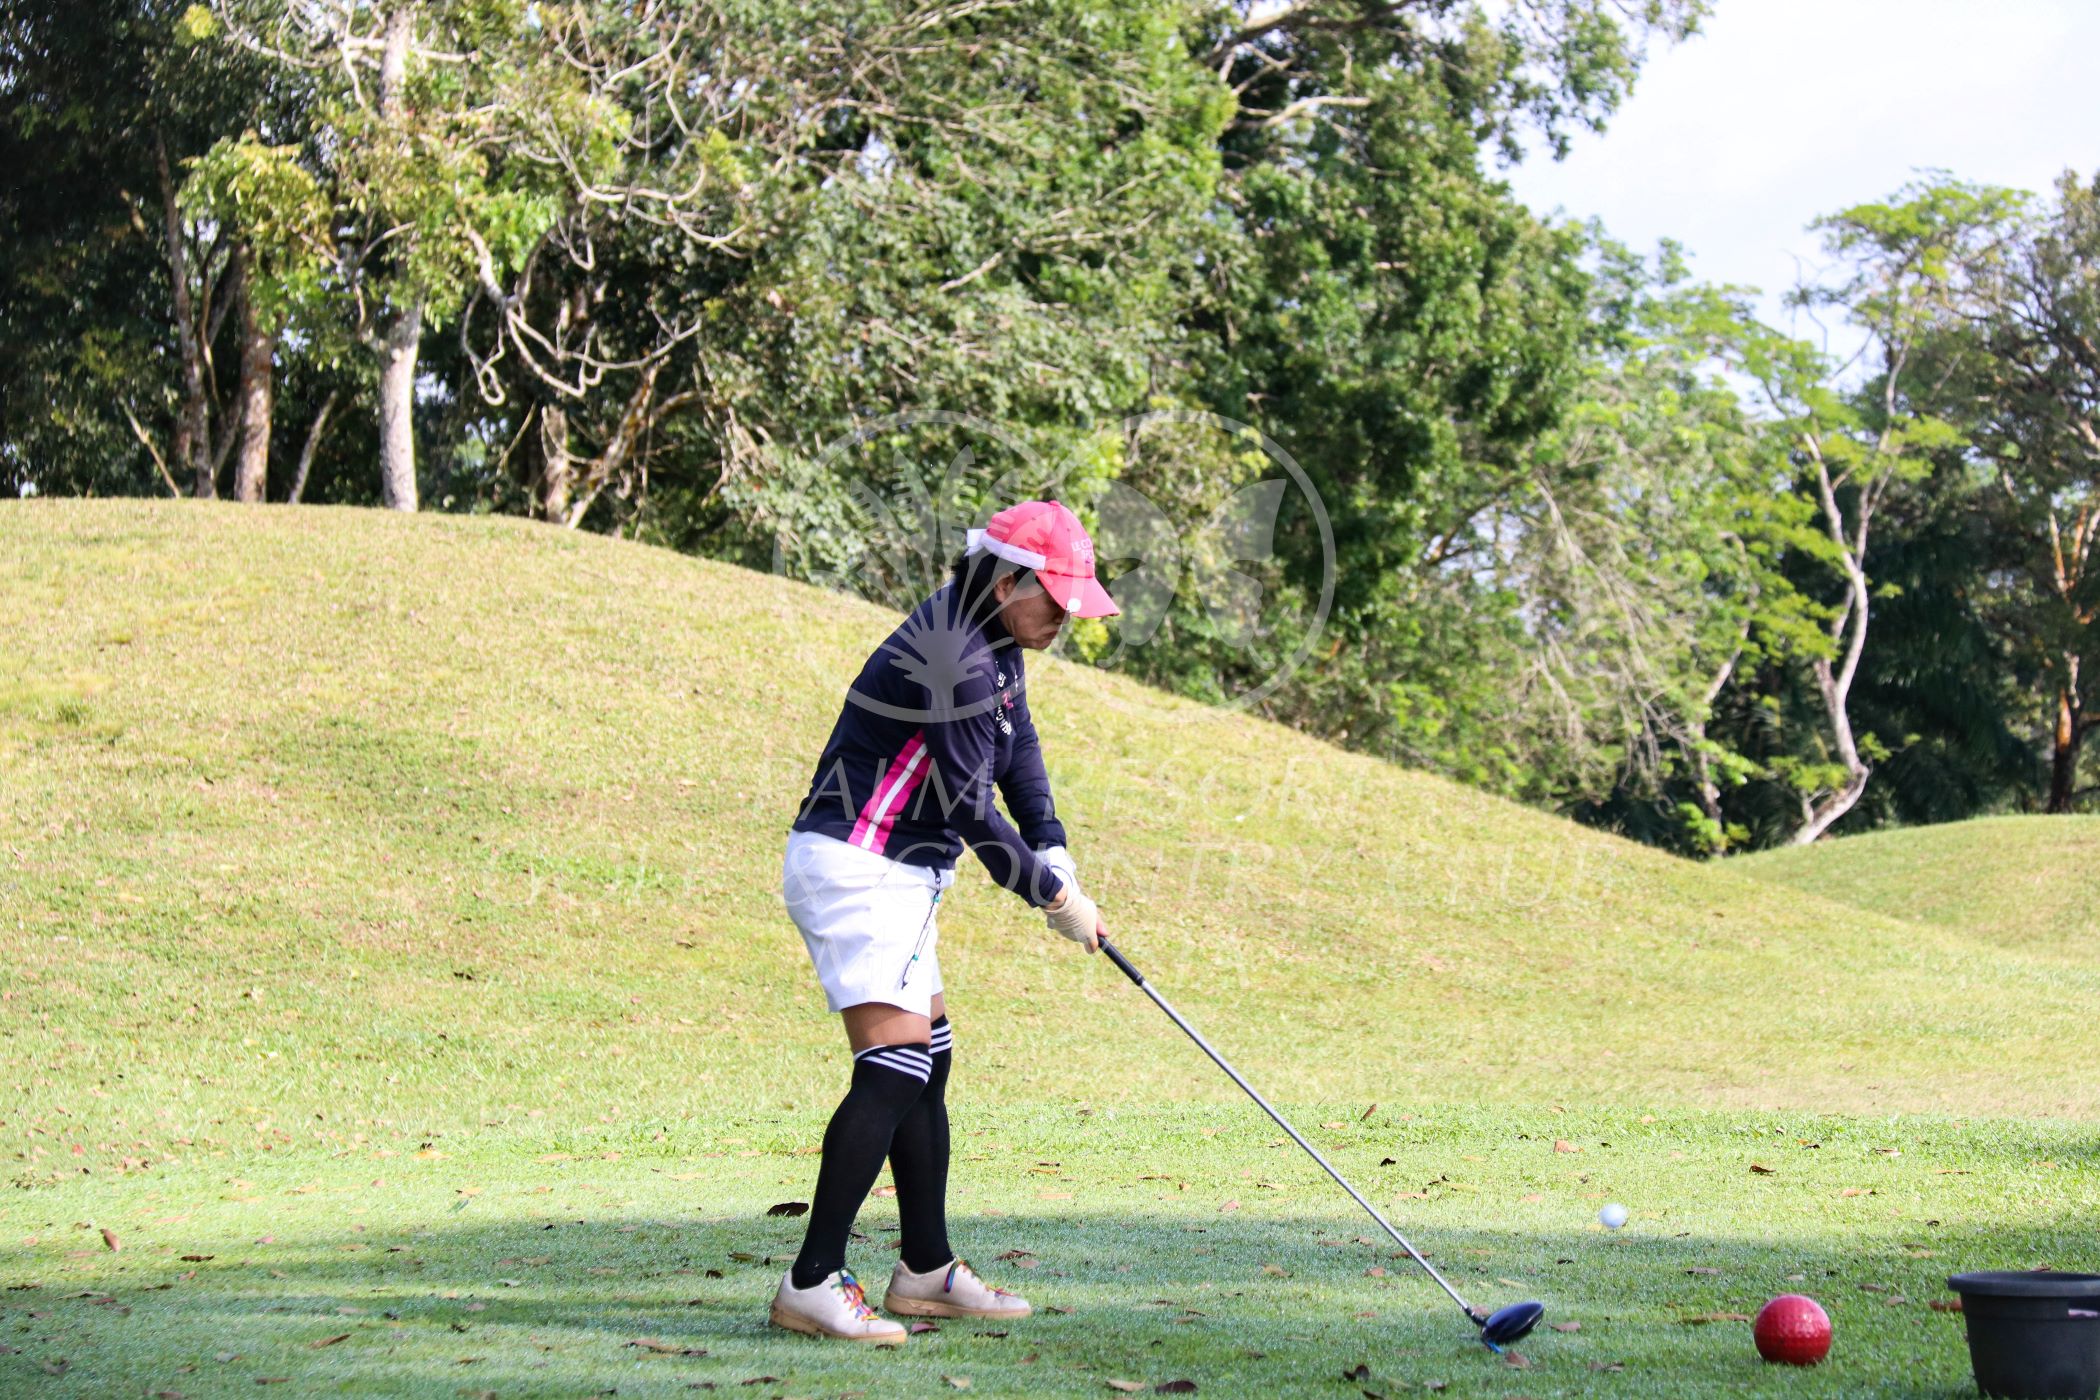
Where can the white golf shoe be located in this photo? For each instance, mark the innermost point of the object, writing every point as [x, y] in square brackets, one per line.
[835, 1307]
[952, 1291]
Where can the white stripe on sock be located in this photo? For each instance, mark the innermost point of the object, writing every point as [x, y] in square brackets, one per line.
[916, 1050]
[905, 1059]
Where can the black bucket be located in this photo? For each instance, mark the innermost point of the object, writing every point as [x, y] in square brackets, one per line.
[2033, 1336]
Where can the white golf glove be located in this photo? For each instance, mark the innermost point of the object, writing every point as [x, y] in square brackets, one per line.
[1060, 860]
[1075, 917]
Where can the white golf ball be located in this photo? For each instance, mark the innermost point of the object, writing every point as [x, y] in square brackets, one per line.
[1612, 1216]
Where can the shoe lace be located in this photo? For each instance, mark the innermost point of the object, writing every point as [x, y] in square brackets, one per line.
[856, 1298]
[962, 1266]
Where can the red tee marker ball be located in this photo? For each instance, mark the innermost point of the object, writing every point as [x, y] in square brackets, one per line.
[1793, 1330]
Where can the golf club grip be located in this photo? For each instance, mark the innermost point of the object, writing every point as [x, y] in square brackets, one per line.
[1136, 978]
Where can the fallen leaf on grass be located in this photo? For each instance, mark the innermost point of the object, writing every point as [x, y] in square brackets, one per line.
[1229, 1205]
[1436, 1385]
[1175, 1388]
[918, 1327]
[197, 1258]
[1607, 1365]
[1375, 1272]
[1945, 1305]
[1360, 1372]
[666, 1348]
[109, 1237]
[1704, 1318]
[1563, 1145]
[1128, 1387]
[1516, 1360]
[959, 1382]
[271, 1380]
[1565, 1326]
[885, 1193]
[1056, 1309]
[788, 1208]
[1704, 1272]
[759, 1380]
[1275, 1272]
[1014, 1254]
[1760, 1169]
[1387, 1162]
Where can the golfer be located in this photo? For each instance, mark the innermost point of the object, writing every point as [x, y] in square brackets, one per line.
[937, 717]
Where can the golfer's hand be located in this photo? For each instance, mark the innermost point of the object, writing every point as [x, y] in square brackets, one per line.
[1074, 915]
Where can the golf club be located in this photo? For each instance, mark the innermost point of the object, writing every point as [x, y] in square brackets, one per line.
[1497, 1329]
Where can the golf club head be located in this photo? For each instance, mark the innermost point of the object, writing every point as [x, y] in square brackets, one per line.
[1506, 1325]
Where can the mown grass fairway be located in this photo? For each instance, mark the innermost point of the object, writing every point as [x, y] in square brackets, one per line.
[392, 917]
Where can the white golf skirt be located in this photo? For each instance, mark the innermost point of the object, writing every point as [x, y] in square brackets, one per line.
[868, 921]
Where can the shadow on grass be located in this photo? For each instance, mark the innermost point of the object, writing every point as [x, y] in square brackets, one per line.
[1282, 1305]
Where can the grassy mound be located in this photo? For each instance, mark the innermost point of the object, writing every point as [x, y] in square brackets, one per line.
[2027, 883]
[434, 817]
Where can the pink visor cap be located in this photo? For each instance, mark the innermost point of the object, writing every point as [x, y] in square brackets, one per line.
[1048, 538]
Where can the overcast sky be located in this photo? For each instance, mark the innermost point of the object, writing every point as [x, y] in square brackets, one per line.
[1785, 109]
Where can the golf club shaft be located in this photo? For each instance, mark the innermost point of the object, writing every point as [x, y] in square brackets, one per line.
[1138, 979]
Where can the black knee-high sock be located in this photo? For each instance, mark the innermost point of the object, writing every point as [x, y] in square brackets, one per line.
[919, 1162]
[887, 1081]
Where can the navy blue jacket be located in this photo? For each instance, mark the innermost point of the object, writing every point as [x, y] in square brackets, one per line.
[936, 719]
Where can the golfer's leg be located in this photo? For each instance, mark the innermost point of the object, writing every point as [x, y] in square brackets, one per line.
[919, 1161]
[891, 1064]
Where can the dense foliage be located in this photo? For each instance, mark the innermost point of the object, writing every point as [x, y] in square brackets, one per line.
[792, 283]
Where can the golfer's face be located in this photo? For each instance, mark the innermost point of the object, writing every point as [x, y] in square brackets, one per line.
[1032, 615]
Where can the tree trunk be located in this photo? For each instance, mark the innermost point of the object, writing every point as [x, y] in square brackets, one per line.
[404, 333]
[393, 59]
[557, 471]
[251, 472]
[397, 403]
[306, 453]
[2070, 735]
[193, 422]
[1820, 814]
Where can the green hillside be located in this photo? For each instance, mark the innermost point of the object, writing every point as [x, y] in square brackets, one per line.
[2031, 883]
[493, 813]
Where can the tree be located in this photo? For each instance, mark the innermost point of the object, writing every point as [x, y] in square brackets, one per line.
[1896, 276]
[118, 300]
[1376, 302]
[1647, 549]
[419, 100]
[274, 220]
[2037, 315]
